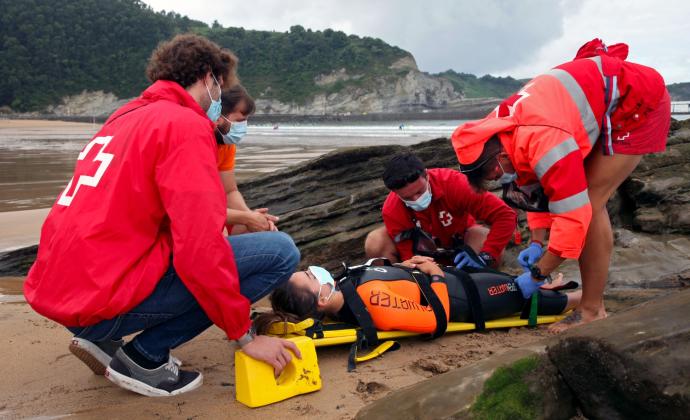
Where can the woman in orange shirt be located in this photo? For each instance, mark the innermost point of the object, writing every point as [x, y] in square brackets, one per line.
[231, 127]
[393, 299]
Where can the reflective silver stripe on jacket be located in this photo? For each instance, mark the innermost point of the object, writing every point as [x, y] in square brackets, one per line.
[554, 155]
[578, 96]
[570, 203]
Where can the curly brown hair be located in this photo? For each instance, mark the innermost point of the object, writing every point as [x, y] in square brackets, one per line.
[188, 57]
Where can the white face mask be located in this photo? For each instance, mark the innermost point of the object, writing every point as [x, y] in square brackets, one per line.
[506, 178]
[324, 278]
[421, 203]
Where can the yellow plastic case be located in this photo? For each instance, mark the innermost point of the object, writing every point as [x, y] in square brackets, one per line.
[256, 386]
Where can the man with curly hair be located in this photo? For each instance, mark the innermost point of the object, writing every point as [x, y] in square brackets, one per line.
[135, 243]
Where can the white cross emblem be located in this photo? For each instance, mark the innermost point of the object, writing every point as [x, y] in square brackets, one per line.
[92, 181]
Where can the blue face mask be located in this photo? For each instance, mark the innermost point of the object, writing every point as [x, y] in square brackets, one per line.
[237, 131]
[213, 111]
[323, 277]
[506, 178]
[421, 203]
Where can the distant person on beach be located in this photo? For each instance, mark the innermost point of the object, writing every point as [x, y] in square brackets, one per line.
[135, 243]
[231, 127]
[561, 147]
[428, 209]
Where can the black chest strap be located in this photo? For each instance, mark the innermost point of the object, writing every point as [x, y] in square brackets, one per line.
[359, 310]
[435, 303]
[473, 299]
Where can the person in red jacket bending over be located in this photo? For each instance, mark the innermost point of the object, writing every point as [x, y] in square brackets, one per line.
[135, 243]
[434, 212]
[561, 146]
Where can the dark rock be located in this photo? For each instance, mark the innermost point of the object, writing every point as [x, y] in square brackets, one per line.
[328, 205]
[633, 365]
[557, 401]
[17, 262]
[659, 188]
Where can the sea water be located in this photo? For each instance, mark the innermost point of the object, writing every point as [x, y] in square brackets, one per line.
[37, 157]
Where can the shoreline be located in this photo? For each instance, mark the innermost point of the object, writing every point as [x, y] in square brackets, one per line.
[474, 108]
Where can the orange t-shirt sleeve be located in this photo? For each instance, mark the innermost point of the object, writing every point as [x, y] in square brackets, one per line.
[226, 157]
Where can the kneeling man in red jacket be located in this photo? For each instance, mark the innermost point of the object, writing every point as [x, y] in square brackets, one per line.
[134, 243]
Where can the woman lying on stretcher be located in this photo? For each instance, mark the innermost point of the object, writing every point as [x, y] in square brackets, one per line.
[395, 299]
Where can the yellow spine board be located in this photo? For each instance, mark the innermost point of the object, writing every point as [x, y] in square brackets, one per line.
[347, 336]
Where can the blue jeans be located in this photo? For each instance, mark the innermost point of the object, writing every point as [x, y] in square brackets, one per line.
[171, 316]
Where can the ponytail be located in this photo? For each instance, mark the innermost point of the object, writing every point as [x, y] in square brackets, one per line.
[290, 303]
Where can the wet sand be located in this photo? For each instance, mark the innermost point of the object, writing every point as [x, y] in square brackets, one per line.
[21, 228]
[37, 159]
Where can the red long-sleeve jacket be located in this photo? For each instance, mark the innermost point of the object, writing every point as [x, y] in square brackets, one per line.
[454, 207]
[145, 192]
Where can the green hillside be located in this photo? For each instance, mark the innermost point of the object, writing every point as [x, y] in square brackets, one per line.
[482, 87]
[52, 49]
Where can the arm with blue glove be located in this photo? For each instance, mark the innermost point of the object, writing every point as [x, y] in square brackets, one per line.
[527, 284]
[463, 259]
[530, 255]
[470, 259]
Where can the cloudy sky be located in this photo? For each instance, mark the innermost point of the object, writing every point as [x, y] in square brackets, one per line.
[520, 38]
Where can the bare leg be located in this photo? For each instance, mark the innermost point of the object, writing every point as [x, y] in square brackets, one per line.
[379, 244]
[604, 175]
[573, 300]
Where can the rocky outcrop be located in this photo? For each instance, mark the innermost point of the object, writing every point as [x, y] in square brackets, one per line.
[410, 91]
[659, 189]
[329, 205]
[89, 104]
[334, 77]
[635, 364]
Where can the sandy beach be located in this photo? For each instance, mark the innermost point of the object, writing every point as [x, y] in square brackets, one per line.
[42, 379]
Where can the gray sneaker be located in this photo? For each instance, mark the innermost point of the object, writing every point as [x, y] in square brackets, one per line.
[96, 356]
[163, 381]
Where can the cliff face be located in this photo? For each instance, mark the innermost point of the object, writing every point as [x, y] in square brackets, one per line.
[404, 89]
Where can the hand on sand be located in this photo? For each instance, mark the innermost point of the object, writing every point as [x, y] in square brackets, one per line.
[272, 350]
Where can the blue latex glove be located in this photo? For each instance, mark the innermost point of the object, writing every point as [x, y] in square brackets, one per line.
[530, 255]
[527, 285]
[463, 259]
